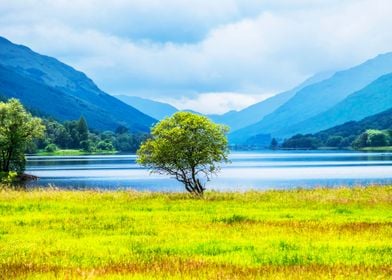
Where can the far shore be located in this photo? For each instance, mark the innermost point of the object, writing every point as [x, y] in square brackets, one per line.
[74, 152]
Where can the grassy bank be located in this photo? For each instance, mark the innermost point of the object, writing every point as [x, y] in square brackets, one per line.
[301, 234]
[377, 149]
[70, 152]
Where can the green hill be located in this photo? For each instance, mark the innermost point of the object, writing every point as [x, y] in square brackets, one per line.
[342, 135]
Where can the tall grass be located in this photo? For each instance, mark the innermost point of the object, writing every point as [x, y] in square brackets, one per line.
[300, 234]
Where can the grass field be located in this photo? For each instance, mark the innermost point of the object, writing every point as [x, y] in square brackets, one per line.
[301, 234]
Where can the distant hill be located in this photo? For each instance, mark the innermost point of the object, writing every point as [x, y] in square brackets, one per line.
[379, 121]
[54, 88]
[155, 109]
[254, 113]
[342, 135]
[373, 99]
[317, 98]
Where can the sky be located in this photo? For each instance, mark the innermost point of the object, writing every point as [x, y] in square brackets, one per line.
[210, 56]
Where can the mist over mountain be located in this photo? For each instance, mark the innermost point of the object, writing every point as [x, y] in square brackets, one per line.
[54, 88]
[254, 113]
[373, 99]
[155, 109]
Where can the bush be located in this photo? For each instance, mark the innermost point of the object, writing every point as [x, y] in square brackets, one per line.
[87, 146]
[377, 138]
[51, 148]
[105, 146]
[8, 177]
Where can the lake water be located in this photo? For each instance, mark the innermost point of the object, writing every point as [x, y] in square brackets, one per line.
[248, 170]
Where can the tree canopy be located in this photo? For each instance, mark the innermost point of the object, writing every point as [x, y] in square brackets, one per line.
[188, 147]
[18, 128]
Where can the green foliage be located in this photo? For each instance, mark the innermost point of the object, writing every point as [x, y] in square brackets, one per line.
[7, 178]
[82, 129]
[51, 148]
[186, 146]
[300, 141]
[373, 138]
[17, 130]
[87, 146]
[126, 142]
[361, 141]
[105, 146]
[335, 141]
[68, 136]
[377, 138]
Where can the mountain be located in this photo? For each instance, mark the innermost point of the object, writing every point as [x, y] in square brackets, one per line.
[341, 136]
[317, 98]
[373, 99]
[379, 121]
[45, 84]
[254, 113]
[155, 109]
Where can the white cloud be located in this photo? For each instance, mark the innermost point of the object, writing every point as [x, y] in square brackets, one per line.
[215, 102]
[176, 50]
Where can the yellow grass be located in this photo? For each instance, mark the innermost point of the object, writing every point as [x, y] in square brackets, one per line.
[343, 233]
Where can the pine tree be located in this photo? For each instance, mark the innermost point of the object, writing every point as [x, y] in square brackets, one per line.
[82, 129]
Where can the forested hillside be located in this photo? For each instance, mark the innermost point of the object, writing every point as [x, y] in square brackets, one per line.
[350, 134]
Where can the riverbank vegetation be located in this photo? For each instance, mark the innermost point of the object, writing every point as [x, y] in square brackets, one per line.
[75, 138]
[343, 233]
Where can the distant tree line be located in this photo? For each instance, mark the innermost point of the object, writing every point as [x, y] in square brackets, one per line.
[373, 131]
[77, 135]
[369, 138]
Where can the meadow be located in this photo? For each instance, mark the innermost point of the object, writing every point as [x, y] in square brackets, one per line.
[343, 233]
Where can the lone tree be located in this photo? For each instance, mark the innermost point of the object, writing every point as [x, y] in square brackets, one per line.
[186, 146]
[17, 129]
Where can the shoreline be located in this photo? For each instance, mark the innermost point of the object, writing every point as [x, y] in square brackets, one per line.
[70, 152]
[53, 187]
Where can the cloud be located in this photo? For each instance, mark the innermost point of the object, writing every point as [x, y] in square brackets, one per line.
[215, 102]
[190, 51]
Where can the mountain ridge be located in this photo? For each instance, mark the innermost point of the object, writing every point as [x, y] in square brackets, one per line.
[317, 98]
[53, 83]
[255, 112]
[372, 99]
[157, 110]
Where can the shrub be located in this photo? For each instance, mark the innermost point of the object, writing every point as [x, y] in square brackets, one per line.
[51, 148]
